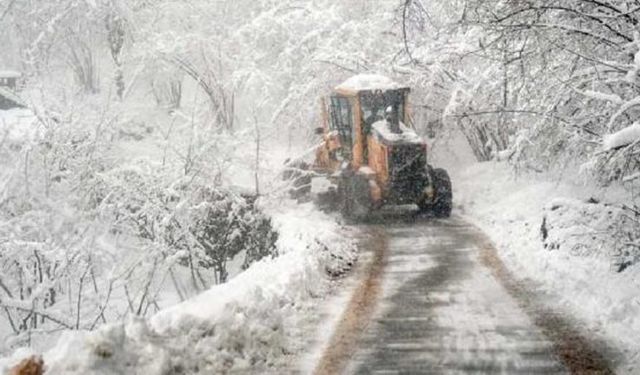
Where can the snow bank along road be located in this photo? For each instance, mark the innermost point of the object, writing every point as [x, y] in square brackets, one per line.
[435, 298]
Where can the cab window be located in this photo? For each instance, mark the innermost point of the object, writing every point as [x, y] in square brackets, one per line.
[374, 105]
[342, 122]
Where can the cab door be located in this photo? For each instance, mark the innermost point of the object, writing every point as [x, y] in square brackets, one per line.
[341, 121]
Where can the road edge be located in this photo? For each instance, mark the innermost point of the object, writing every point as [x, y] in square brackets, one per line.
[359, 310]
[578, 353]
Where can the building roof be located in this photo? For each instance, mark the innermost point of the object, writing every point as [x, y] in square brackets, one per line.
[10, 74]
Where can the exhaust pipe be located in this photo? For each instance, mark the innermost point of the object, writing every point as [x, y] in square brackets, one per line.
[393, 118]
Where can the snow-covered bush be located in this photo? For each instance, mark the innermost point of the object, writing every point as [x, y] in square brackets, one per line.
[204, 226]
[252, 323]
[48, 267]
[224, 225]
[592, 229]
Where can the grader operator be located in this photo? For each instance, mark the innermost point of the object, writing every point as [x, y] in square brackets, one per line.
[372, 155]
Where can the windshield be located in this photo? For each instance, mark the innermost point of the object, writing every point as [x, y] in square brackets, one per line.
[373, 105]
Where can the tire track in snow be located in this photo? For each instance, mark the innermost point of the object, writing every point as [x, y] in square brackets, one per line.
[358, 313]
[579, 354]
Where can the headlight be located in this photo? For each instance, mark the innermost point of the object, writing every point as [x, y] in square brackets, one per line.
[428, 192]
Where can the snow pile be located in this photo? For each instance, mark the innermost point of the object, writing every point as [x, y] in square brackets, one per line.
[363, 82]
[383, 130]
[247, 323]
[511, 211]
[624, 137]
[112, 349]
[591, 229]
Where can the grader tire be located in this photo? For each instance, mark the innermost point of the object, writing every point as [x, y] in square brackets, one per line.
[444, 195]
[355, 197]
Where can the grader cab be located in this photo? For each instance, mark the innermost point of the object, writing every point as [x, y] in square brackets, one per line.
[370, 153]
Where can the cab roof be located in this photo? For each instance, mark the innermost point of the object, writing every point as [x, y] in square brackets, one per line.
[368, 82]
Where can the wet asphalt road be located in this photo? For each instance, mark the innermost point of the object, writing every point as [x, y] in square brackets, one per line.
[441, 311]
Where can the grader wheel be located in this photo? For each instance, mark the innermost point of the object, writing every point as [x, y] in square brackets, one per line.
[355, 197]
[444, 196]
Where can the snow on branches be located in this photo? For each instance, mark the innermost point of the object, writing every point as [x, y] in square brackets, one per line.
[549, 81]
[624, 137]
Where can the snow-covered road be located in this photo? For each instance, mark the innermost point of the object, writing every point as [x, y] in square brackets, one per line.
[440, 309]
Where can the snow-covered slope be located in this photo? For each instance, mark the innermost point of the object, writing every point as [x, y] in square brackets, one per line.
[581, 274]
[255, 321]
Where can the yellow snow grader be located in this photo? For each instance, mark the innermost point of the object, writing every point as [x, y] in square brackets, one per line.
[371, 156]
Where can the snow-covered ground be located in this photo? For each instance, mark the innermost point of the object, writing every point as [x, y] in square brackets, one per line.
[580, 271]
[259, 320]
